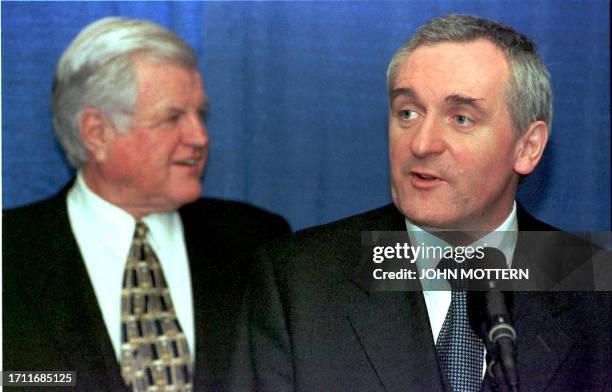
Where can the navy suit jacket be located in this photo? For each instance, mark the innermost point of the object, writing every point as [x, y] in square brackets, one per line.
[51, 319]
[313, 326]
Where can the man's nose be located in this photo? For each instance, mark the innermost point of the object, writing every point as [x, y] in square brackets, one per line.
[429, 138]
[195, 132]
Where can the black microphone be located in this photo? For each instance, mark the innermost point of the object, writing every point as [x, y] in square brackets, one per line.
[489, 316]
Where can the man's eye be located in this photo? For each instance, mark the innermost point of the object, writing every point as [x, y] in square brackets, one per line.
[203, 115]
[463, 120]
[173, 119]
[406, 114]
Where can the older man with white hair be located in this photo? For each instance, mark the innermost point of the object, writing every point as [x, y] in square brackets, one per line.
[127, 276]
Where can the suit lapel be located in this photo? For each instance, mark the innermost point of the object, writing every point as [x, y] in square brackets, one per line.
[197, 270]
[394, 331]
[70, 309]
[543, 340]
[217, 281]
[392, 326]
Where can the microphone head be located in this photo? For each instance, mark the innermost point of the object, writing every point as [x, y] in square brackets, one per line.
[486, 300]
[492, 258]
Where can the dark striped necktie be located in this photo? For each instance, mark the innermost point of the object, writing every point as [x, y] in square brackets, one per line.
[154, 351]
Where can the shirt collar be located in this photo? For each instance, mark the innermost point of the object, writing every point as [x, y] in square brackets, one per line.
[503, 237]
[116, 222]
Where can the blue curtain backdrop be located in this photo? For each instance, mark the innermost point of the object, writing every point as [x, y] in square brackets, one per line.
[298, 102]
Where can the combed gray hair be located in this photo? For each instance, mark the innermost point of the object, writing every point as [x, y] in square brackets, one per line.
[96, 71]
[529, 94]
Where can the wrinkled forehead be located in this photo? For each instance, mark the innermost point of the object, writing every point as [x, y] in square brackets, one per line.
[475, 68]
[155, 69]
[161, 84]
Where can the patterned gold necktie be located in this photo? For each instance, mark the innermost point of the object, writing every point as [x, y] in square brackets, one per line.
[154, 351]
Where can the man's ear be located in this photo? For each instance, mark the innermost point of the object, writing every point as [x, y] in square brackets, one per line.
[530, 147]
[96, 132]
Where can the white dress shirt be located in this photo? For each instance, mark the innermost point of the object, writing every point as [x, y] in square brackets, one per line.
[104, 234]
[438, 301]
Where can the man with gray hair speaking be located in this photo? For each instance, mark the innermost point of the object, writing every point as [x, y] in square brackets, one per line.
[470, 113]
[128, 277]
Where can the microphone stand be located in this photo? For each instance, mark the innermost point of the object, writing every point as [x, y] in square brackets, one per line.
[499, 341]
[489, 316]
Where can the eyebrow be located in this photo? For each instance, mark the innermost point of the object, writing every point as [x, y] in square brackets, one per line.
[463, 100]
[405, 92]
[453, 100]
[203, 108]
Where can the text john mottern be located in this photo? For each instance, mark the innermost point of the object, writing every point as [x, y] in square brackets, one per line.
[459, 254]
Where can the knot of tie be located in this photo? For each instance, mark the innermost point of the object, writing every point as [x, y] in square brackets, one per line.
[141, 230]
[453, 273]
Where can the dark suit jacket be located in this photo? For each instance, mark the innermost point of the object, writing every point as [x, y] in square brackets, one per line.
[313, 326]
[51, 319]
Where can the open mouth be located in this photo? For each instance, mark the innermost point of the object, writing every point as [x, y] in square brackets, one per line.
[424, 176]
[424, 180]
[188, 162]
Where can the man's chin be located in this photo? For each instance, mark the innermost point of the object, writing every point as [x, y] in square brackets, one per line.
[426, 217]
[188, 194]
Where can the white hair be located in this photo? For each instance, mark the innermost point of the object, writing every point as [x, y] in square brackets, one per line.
[96, 71]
